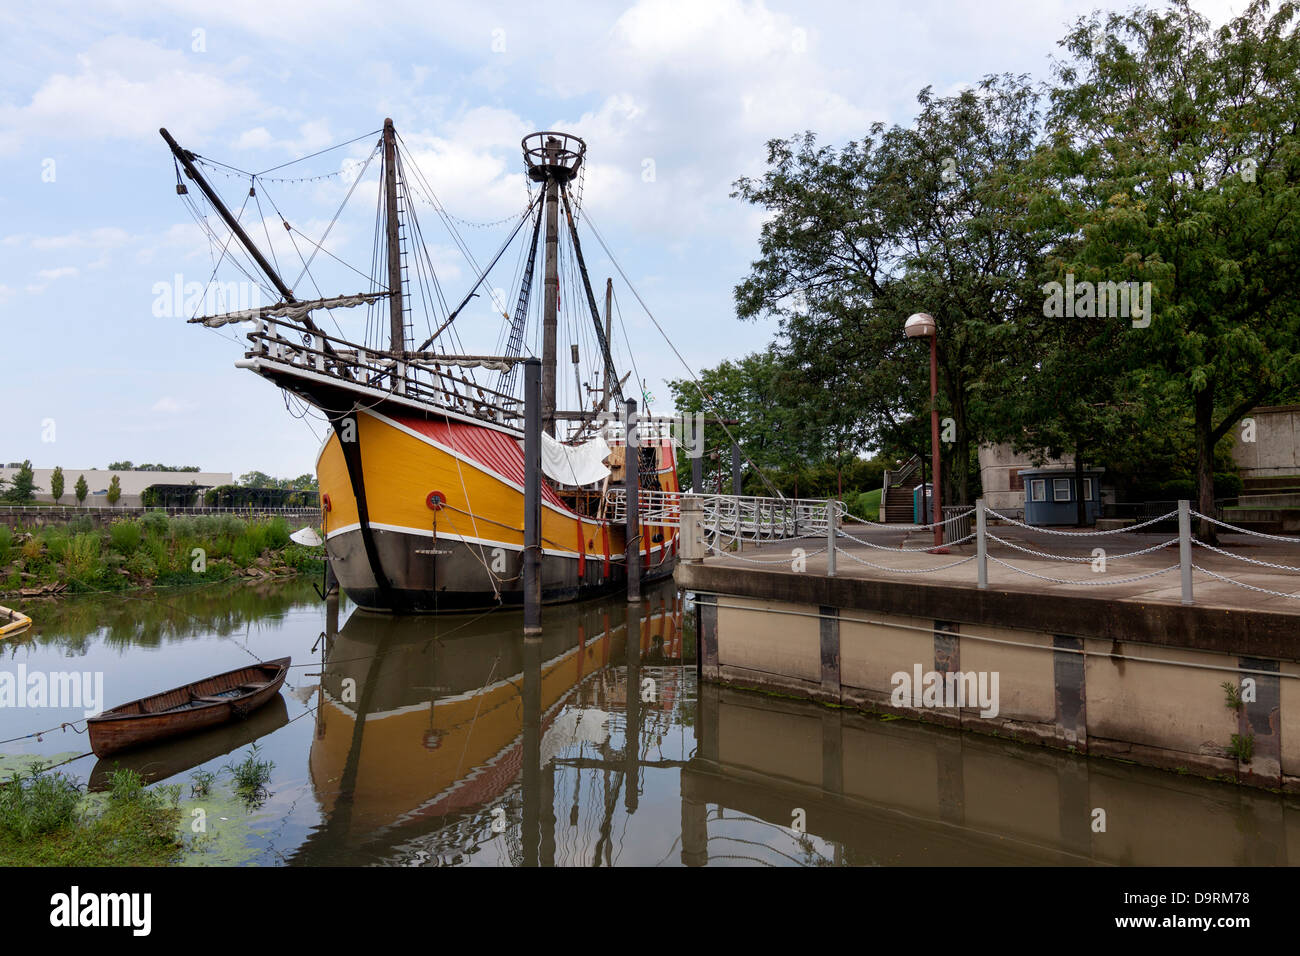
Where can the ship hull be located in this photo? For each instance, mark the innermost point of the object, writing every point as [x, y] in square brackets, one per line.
[392, 548]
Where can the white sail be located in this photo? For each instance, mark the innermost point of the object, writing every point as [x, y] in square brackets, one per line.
[290, 310]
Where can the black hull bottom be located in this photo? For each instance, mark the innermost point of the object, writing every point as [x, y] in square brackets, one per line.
[461, 576]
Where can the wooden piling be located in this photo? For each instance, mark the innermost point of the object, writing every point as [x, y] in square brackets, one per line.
[633, 530]
[532, 555]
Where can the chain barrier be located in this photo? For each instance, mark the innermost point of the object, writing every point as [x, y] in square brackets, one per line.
[897, 526]
[883, 547]
[1090, 584]
[1241, 584]
[741, 557]
[1087, 558]
[1079, 534]
[1241, 557]
[1258, 534]
[881, 567]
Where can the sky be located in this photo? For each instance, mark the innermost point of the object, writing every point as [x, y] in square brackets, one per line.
[676, 100]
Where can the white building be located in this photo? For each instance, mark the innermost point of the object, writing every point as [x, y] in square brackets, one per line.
[133, 483]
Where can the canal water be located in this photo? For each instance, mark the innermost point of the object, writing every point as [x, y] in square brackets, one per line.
[449, 741]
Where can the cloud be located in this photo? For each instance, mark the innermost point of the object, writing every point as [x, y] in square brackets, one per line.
[126, 88]
[60, 273]
[105, 237]
[171, 406]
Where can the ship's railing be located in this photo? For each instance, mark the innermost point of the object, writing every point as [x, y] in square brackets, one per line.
[423, 376]
[728, 518]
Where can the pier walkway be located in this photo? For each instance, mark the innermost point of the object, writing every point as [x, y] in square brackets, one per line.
[1245, 571]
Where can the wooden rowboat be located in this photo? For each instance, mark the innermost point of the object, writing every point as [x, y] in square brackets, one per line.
[205, 703]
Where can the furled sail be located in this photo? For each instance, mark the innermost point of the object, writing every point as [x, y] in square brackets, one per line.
[290, 310]
[575, 464]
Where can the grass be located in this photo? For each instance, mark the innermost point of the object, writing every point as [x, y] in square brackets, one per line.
[250, 776]
[867, 505]
[46, 819]
[155, 550]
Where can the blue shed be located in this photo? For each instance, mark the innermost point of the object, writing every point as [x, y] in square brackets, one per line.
[921, 506]
[1051, 496]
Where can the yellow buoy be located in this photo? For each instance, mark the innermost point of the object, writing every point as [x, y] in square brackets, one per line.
[12, 622]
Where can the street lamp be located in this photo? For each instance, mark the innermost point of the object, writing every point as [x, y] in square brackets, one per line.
[922, 325]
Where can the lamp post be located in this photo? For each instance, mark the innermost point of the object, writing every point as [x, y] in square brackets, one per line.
[922, 325]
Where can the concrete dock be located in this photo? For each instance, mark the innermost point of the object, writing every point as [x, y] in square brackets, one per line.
[1103, 662]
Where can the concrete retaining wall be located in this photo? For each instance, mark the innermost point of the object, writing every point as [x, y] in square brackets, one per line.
[1151, 702]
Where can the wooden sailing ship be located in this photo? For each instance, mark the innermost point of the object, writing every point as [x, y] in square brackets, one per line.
[422, 474]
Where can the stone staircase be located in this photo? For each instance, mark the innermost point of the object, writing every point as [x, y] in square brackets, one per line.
[1270, 504]
[896, 505]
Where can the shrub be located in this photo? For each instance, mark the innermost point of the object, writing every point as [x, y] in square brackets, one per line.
[32, 550]
[80, 526]
[155, 523]
[83, 555]
[230, 526]
[56, 541]
[6, 543]
[243, 553]
[208, 526]
[277, 533]
[183, 526]
[141, 565]
[124, 536]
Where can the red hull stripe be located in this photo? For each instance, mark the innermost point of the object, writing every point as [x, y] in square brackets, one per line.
[492, 449]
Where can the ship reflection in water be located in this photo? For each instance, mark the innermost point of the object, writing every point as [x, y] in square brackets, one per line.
[451, 741]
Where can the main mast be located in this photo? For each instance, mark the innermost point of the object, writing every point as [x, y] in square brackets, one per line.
[552, 159]
[397, 334]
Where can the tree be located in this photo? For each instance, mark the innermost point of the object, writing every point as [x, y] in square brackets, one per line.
[114, 490]
[56, 483]
[22, 485]
[907, 220]
[1177, 160]
[81, 489]
[258, 479]
[120, 466]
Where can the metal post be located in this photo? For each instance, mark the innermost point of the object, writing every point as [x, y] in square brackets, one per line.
[532, 556]
[697, 474]
[981, 544]
[830, 539]
[934, 439]
[1185, 547]
[632, 535]
[735, 469]
[693, 550]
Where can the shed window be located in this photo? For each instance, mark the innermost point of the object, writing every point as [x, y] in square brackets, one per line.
[1038, 489]
[1087, 489]
[1061, 489]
